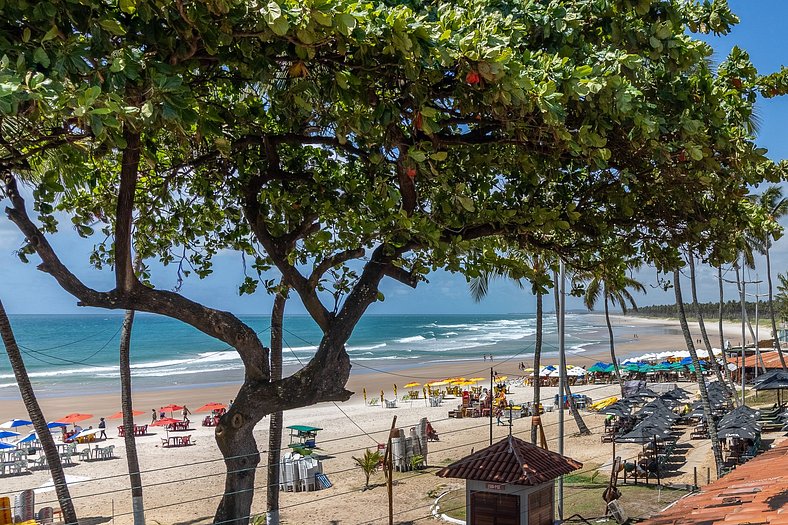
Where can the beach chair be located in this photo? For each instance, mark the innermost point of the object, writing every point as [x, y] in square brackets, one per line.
[65, 458]
[306, 482]
[45, 516]
[84, 454]
[41, 462]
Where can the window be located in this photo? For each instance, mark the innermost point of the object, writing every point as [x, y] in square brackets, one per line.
[489, 508]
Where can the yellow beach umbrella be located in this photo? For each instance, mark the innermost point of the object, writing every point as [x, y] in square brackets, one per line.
[412, 384]
[502, 378]
[439, 383]
[395, 390]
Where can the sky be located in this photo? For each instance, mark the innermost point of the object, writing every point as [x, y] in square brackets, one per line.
[25, 290]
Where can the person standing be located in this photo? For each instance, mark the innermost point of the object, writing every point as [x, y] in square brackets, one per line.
[153, 415]
[103, 426]
[186, 413]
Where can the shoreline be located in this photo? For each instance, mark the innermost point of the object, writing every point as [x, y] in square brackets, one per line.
[373, 378]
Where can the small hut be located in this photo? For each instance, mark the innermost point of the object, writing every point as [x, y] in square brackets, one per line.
[510, 483]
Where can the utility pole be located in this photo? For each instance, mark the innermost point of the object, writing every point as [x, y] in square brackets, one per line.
[561, 386]
[757, 295]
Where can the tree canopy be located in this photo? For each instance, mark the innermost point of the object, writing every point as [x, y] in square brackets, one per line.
[411, 135]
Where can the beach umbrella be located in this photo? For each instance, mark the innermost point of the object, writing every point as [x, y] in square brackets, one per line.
[13, 423]
[210, 407]
[87, 432]
[477, 379]
[642, 434]
[165, 421]
[56, 424]
[382, 398]
[776, 382]
[395, 390]
[770, 374]
[75, 417]
[741, 433]
[172, 407]
[119, 415]
[364, 393]
[28, 438]
[501, 378]
[4, 446]
[5, 434]
[412, 384]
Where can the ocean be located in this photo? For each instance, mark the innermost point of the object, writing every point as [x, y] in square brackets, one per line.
[69, 353]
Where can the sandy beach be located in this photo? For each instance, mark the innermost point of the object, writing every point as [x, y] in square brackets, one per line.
[183, 485]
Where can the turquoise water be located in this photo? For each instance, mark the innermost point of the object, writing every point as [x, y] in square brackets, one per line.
[65, 351]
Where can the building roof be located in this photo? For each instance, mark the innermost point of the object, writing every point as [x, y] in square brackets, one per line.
[755, 493]
[771, 360]
[511, 460]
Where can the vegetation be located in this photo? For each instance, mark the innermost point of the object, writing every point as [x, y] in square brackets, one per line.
[369, 463]
[731, 310]
[344, 142]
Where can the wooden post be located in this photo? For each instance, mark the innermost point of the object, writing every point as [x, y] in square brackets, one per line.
[708, 475]
[695, 478]
[389, 466]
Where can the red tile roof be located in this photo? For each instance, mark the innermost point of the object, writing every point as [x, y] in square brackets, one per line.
[756, 493]
[511, 460]
[770, 360]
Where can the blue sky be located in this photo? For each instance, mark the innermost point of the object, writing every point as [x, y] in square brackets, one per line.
[23, 289]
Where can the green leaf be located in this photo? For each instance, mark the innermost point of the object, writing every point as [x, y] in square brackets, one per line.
[26, 35]
[439, 156]
[128, 6]
[272, 12]
[52, 33]
[280, 26]
[417, 155]
[112, 26]
[41, 57]
[147, 110]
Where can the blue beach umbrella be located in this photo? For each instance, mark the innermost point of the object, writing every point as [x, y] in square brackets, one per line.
[4, 446]
[27, 439]
[16, 423]
[4, 434]
[56, 424]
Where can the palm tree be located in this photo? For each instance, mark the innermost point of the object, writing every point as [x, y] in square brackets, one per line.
[612, 286]
[776, 207]
[711, 425]
[275, 425]
[39, 421]
[129, 440]
[701, 323]
[368, 463]
[479, 288]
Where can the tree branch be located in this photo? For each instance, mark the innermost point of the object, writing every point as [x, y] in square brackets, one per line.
[397, 273]
[216, 323]
[330, 262]
[125, 280]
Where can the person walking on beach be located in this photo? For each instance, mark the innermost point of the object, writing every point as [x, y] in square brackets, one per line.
[186, 413]
[153, 414]
[103, 427]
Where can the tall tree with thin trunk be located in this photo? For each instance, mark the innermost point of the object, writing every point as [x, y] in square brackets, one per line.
[582, 428]
[704, 393]
[701, 323]
[37, 417]
[776, 207]
[135, 478]
[611, 285]
[275, 425]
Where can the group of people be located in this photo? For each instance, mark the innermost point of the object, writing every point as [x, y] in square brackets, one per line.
[499, 404]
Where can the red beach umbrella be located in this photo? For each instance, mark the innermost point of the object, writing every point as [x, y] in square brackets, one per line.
[163, 422]
[210, 407]
[119, 415]
[172, 407]
[76, 417]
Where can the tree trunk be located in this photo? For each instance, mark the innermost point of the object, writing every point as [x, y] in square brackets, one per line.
[582, 428]
[275, 425]
[537, 363]
[740, 284]
[612, 345]
[714, 364]
[776, 336]
[704, 394]
[129, 439]
[39, 421]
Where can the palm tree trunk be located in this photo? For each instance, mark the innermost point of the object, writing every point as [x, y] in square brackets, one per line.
[714, 364]
[582, 428]
[704, 394]
[746, 320]
[37, 417]
[537, 363]
[771, 307]
[612, 345]
[129, 440]
[275, 425]
[726, 371]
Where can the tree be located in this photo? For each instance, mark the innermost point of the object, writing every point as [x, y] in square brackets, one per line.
[775, 206]
[135, 479]
[611, 283]
[702, 325]
[711, 425]
[368, 463]
[275, 425]
[305, 137]
[37, 417]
